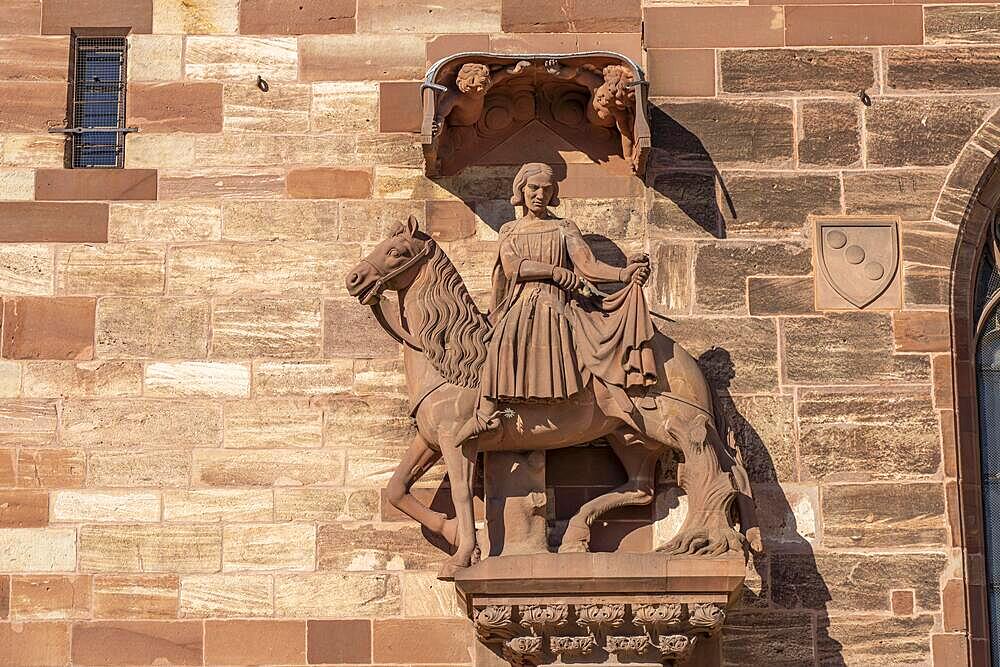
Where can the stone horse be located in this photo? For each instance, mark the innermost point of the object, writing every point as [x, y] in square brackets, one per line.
[444, 336]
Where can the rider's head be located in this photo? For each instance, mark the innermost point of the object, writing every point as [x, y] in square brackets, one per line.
[535, 188]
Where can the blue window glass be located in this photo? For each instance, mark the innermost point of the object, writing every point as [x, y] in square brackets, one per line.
[99, 102]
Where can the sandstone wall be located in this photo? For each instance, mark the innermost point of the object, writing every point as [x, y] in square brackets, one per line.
[197, 421]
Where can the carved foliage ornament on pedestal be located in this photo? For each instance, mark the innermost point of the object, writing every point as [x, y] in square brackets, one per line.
[473, 102]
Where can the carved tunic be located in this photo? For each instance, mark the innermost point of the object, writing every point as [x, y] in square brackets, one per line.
[546, 344]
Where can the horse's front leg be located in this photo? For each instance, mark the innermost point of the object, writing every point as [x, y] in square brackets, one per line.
[416, 462]
[461, 464]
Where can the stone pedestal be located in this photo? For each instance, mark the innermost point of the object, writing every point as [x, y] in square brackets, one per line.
[599, 608]
[514, 485]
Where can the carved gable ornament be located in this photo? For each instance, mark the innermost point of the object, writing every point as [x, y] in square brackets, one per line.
[592, 102]
[858, 261]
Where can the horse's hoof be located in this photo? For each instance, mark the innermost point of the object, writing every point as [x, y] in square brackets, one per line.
[574, 547]
[448, 571]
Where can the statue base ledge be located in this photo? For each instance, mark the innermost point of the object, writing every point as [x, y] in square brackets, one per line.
[640, 608]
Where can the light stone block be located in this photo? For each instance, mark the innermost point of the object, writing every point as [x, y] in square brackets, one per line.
[242, 59]
[17, 184]
[337, 595]
[54, 379]
[38, 550]
[290, 220]
[408, 183]
[27, 269]
[108, 269]
[213, 151]
[197, 378]
[196, 16]
[36, 151]
[155, 58]
[390, 16]
[424, 595]
[303, 378]
[265, 547]
[157, 468]
[283, 109]
[165, 221]
[344, 106]
[272, 424]
[222, 595]
[159, 151]
[150, 548]
[10, 379]
[141, 423]
[217, 505]
[164, 328]
[251, 328]
[268, 467]
[104, 506]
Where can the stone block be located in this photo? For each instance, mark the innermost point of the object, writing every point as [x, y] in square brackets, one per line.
[441, 46]
[283, 108]
[340, 641]
[51, 468]
[856, 25]
[860, 640]
[270, 467]
[374, 420]
[95, 184]
[197, 378]
[195, 16]
[35, 644]
[421, 17]
[764, 430]
[48, 328]
[910, 194]
[267, 547]
[902, 603]
[922, 330]
[156, 468]
[672, 279]
[216, 505]
[138, 643]
[148, 327]
[768, 637]
[424, 595]
[136, 596]
[28, 417]
[399, 106]
[337, 595]
[222, 595]
[945, 68]
[8, 473]
[303, 378]
[246, 150]
[255, 642]
[749, 352]
[55, 379]
[160, 151]
[194, 106]
[44, 597]
[838, 426]
[33, 58]
[324, 505]
[375, 219]
[261, 424]
[60, 17]
[165, 221]
[29, 106]
[150, 548]
[830, 134]
[534, 42]
[927, 250]
[883, 515]
[780, 295]
[681, 72]
[24, 509]
[249, 268]
[798, 70]
[290, 220]
[32, 150]
[245, 327]
[51, 222]
[155, 57]
[329, 183]
[110, 269]
[721, 270]
[105, 506]
[719, 27]
[21, 17]
[38, 549]
[291, 17]
[626, 43]
[961, 24]
[241, 59]
[731, 133]
[950, 649]
[359, 547]
[361, 57]
[17, 184]
[777, 205]
[350, 330]
[921, 132]
[848, 348]
[344, 106]
[421, 640]
[685, 204]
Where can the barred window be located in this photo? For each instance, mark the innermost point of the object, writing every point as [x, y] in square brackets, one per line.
[97, 116]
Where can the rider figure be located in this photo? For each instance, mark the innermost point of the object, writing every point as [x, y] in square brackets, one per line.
[547, 339]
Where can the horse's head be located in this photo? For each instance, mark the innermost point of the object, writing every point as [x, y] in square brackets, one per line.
[392, 265]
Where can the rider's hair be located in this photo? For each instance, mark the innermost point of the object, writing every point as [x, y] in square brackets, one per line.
[528, 170]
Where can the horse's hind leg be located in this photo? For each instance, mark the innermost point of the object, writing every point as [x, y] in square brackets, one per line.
[461, 464]
[416, 462]
[640, 464]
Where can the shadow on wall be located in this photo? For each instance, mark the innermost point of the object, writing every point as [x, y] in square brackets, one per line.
[784, 617]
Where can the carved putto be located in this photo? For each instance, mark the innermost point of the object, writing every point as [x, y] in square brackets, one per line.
[473, 102]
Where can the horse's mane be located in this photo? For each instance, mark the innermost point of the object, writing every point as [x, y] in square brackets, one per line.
[453, 331]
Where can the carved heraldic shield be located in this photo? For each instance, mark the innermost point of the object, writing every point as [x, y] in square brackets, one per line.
[858, 258]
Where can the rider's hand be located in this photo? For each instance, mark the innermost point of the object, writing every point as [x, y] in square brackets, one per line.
[637, 272]
[565, 278]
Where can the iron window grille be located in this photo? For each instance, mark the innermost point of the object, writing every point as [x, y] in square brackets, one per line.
[97, 111]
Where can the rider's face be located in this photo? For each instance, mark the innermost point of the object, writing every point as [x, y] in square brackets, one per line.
[538, 192]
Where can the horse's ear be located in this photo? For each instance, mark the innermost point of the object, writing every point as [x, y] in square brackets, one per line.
[412, 226]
